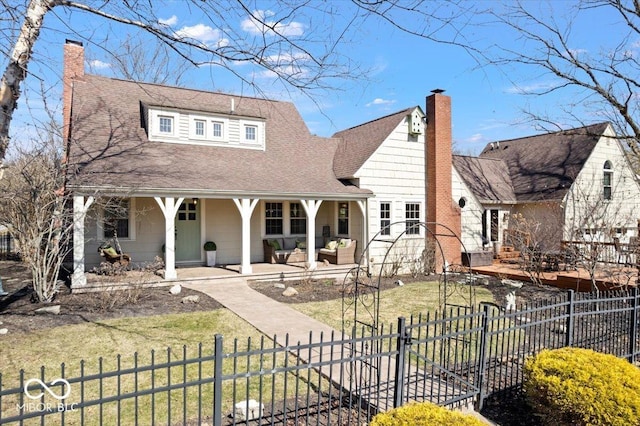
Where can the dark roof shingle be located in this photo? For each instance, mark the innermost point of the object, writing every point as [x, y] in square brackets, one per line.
[543, 167]
[487, 178]
[109, 147]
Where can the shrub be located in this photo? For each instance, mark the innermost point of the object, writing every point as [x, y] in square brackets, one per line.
[423, 414]
[582, 387]
[209, 246]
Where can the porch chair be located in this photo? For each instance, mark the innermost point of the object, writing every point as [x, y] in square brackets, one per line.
[112, 256]
[622, 251]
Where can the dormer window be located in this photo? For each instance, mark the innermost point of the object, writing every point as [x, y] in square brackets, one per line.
[217, 129]
[199, 129]
[250, 133]
[166, 124]
[607, 181]
[204, 128]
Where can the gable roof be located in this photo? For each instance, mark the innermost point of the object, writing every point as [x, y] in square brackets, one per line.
[487, 178]
[358, 143]
[109, 147]
[543, 167]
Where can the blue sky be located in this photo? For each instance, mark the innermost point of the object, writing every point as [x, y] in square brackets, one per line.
[402, 70]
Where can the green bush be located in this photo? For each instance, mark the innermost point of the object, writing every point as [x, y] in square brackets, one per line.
[424, 414]
[209, 246]
[582, 387]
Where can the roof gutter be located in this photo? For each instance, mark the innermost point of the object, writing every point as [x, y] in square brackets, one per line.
[199, 193]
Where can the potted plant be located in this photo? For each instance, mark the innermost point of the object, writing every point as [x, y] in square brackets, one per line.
[210, 248]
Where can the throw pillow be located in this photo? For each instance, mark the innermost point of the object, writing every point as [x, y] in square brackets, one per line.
[344, 242]
[331, 245]
[275, 244]
[110, 251]
[301, 245]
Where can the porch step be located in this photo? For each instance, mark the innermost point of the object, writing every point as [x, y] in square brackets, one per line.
[508, 254]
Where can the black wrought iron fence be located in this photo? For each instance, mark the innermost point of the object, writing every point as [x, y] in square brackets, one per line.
[450, 358]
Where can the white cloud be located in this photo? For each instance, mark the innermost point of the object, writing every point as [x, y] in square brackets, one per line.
[530, 88]
[169, 22]
[380, 101]
[99, 65]
[478, 137]
[259, 23]
[202, 33]
[577, 52]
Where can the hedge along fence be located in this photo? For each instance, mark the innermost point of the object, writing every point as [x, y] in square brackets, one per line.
[424, 413]
[582, 387]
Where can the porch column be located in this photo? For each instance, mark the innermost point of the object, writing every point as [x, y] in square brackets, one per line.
[245, 207]
[311, 207]
[364, 209]
[169, 209]
[80, 207]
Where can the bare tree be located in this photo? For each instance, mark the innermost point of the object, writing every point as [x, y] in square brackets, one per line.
[32, 203]
[534, 235]
[138, 59]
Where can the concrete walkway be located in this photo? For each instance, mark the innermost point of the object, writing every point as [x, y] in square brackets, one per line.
[270, 317]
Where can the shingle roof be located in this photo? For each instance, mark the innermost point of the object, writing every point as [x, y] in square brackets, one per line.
[487, 178]
[357, 144]
[543, 167]
[109, 146]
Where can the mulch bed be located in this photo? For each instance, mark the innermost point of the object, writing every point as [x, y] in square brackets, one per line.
[17, 310]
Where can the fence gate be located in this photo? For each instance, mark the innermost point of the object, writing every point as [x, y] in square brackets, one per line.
[406, 249]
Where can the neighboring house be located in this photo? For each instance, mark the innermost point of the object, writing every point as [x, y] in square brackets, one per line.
[577, 183]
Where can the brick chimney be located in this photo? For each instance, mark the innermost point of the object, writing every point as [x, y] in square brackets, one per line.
[442, 212]
[73, 70]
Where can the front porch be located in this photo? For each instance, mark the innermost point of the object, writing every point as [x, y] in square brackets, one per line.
[260, 271]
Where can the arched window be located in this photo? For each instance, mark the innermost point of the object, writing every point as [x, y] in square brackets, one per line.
[607, 180]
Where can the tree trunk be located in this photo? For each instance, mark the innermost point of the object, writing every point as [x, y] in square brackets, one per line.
[16, 70]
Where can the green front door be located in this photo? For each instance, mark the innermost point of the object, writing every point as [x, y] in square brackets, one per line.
[188, 232]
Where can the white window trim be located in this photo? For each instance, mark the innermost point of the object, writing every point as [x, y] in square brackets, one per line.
[390, 218]
[260, 133]
[132, 223]
[419, 219]
[154, 125]
[225, 125]
[193, 128]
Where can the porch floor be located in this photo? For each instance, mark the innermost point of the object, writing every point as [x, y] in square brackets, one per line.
[260, 271]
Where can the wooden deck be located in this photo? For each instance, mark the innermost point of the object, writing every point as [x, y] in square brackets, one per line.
[608, 276]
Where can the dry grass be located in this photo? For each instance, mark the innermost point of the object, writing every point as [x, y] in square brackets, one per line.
[106, 347]
[409, 299]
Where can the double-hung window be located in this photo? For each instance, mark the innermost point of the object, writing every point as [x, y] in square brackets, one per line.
[273, 219]
[165, 124]
[412, 218]
[250, 133]
[199, 128]
[217, 129]
[116, 219]
[385, 218]
[297, 219]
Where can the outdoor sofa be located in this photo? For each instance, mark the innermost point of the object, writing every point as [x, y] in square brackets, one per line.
[341, 253]
[288, 249]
